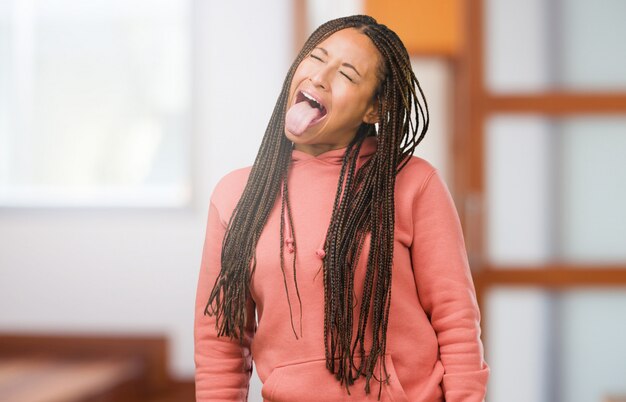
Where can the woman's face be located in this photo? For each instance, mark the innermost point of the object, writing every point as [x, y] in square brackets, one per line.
[332, 92]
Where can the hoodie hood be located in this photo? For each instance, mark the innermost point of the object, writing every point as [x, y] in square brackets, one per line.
[335, 156]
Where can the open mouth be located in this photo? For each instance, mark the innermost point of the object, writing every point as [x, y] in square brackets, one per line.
[305, 97]
[306, 111]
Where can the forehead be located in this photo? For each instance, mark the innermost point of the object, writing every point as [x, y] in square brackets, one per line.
[352, 46]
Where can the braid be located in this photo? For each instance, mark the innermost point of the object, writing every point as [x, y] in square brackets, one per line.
[364, 204]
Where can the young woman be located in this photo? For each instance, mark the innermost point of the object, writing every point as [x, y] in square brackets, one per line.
[347, 247]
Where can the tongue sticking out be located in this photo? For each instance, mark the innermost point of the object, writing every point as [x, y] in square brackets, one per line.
[300, 116]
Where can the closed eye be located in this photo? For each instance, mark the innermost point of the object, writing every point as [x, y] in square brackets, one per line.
[315, 57]
[347, 76]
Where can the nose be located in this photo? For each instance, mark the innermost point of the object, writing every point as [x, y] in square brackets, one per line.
[319, 78]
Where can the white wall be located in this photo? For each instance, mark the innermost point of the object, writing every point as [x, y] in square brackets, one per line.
[134, 270]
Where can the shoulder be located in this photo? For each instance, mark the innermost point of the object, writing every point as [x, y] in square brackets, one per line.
[414, 176]
[228, 190]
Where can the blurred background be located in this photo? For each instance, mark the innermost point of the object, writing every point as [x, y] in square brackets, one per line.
[117, 118]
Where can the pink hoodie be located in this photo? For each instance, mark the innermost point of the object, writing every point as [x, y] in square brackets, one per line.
[434, 351]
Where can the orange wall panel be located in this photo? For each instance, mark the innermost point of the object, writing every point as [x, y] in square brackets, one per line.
[425, 26]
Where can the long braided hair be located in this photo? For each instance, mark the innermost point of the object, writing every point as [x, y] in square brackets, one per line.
[364, 203]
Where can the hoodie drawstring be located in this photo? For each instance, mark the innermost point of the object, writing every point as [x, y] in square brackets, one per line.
[319, 252]
[290, 245]
[288, 239]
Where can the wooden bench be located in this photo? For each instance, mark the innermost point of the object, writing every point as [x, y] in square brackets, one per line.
[48, 379]
[83, 368]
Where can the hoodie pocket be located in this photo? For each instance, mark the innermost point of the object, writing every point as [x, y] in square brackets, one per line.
[310, 381]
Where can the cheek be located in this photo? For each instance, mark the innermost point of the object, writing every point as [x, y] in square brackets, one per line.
[354, 101]
[343, 91]
[303, 69]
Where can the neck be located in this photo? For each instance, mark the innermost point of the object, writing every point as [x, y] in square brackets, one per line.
[317, 149]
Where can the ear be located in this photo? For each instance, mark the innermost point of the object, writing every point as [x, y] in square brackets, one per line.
[371, 114]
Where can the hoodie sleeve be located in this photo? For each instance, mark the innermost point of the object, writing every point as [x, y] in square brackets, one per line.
[223, 366]
[446, 291]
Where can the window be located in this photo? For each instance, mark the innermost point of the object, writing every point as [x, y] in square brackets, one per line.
[548, 133]
[95, 103]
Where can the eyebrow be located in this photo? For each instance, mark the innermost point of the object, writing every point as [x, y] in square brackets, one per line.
[343, 64]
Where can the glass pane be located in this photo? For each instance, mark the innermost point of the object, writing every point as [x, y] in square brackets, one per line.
[99, 103]
[518, 190]
[592, 350]
[517, 328]
[435, 78]
[555, 190]
[516, 49]
[593, 189]
[5, 85]
[538, 45]
[556, 347]
[593, 51]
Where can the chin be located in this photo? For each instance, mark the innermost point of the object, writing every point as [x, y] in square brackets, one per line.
[308, 137]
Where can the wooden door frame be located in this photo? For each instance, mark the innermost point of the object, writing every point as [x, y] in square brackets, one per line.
[469, 172]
